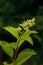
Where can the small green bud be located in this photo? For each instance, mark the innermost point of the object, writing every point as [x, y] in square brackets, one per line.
[19, 28]
[26, 28]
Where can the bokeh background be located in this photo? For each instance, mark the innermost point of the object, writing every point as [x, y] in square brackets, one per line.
[13, 12]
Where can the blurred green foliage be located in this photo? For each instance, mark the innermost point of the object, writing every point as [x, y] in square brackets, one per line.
[13, 12]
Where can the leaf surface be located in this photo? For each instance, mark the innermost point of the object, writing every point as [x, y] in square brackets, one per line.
[26, 37]
[24, 56]
[13, 45]
[33, 32]
[7, 48]
[5, 63]
[12, 30]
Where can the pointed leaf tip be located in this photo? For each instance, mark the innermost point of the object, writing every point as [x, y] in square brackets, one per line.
[12, 30]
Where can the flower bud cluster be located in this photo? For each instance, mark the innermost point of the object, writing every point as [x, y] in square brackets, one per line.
[28, 23]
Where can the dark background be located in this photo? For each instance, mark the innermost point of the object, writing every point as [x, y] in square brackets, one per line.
[13, 12]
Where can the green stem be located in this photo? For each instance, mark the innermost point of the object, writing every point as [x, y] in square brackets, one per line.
[16, 50]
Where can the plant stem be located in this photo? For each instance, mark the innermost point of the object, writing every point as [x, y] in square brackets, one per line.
[16, 50]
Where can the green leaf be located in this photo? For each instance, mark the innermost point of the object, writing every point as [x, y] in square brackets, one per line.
[26, 37]
[24, 56]
[29, 39]
[32, 31]
[5, 63]
[13, 45]
[13, 31]
[7, 48]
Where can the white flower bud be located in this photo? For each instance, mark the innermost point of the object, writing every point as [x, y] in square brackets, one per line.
[33, 19]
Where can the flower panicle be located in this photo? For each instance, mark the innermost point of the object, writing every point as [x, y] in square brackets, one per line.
[28, 23]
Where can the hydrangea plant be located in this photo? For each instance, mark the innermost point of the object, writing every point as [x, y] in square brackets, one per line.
[22, 33]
